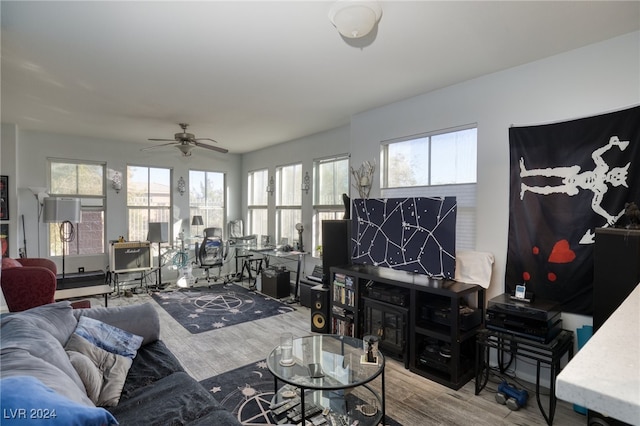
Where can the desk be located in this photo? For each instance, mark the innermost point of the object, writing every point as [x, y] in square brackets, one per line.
[604, 376]
[548, 353]
[271, 253]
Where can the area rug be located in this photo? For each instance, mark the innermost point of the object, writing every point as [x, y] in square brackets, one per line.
[247, 392]
[223, 305]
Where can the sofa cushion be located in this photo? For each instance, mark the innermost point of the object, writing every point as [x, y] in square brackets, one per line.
[141, 319]
[174, 400]
[153, 362]
[103, 373]
[110, 338]
[57, 319]
[29, 340]
[27, 401]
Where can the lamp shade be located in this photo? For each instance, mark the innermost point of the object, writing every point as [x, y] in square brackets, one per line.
[158, 232]
[355, 18]
[197, 220]
[61, 210]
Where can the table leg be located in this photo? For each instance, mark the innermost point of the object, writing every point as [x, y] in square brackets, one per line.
[383, 401]
[547, 418]
[302, 408]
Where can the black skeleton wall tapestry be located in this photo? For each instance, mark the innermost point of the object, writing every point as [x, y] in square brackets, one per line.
[566, 180]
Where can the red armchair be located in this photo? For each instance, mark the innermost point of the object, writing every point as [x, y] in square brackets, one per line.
[27, 283]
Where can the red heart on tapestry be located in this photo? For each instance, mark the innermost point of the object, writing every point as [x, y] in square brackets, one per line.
[562, 253]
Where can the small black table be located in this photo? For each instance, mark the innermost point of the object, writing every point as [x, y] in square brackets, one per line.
[543, 353]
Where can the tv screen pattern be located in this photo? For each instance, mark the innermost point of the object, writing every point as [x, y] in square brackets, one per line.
[415, 234]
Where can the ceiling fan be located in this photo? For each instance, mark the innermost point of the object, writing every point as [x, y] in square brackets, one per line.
[185, 142]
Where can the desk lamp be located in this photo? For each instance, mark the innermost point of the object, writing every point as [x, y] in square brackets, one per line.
[197, 221]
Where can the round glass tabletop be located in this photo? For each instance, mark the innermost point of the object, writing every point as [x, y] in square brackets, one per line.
[326, 361]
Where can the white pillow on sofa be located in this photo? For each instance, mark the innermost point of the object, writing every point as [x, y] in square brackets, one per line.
[103, 373]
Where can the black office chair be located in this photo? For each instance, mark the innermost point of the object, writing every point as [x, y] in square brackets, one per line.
[212, 253]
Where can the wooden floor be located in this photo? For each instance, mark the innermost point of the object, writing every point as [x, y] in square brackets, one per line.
[410, 399]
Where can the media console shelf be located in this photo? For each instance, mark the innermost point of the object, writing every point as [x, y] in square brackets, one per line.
[438, 345]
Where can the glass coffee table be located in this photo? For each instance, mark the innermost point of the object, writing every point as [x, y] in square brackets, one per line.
[331, 379]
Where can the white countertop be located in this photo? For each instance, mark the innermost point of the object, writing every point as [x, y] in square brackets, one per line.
[604, 376]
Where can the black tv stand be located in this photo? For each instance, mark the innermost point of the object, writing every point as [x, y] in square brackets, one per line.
[437, 345]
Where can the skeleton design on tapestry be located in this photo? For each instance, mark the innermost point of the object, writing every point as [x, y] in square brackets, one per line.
[573, 180]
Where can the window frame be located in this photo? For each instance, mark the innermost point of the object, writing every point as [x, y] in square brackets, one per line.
[281, 207]
[384, 155]
[319, 210]
[168, 208]
[206, 210]
[254, 208]
[465, 193]
[89, 203]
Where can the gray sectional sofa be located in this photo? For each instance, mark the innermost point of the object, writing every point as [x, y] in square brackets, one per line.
[157, 390]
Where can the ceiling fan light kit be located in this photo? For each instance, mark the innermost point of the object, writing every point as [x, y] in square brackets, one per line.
[355, 18]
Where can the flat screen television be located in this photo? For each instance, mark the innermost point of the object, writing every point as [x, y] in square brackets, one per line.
[415, 234]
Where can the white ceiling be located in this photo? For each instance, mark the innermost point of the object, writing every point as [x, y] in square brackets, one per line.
[253, 74]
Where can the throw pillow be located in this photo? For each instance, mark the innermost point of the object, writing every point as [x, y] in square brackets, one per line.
[103, 373]
[108, 337]
[8, 262]
[26, 401]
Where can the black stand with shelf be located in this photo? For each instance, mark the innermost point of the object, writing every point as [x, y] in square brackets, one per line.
[439, 346]
[543, 353]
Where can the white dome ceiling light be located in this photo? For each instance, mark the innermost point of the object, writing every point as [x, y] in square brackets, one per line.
[355, 18]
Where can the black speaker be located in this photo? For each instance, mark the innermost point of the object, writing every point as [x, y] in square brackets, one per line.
[319, 309]
[336, 246]
[616, 270]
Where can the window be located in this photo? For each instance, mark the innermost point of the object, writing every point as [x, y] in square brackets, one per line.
[435, 164]
[148, 199]
[331, 180]
[83, 180]
[257, 203]
[207, 198]
[288, 202]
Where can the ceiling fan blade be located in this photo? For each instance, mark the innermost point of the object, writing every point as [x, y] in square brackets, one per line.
[160, 140]
[211, 147]
[157, 146]
[205, 139]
